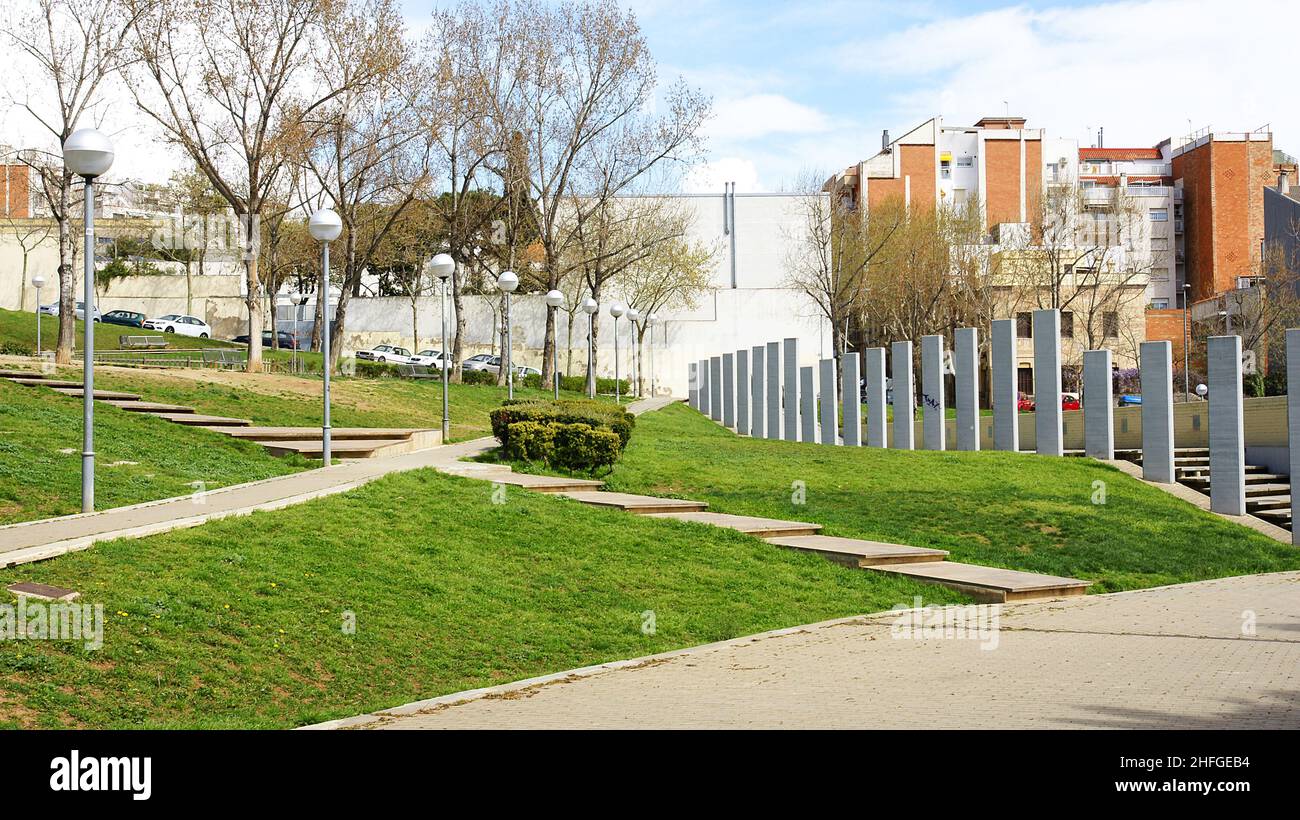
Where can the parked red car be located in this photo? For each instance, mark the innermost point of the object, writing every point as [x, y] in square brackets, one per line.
[1069, 401]
[1024, 404]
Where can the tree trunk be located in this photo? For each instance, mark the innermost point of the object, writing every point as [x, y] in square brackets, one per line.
[568, 364]
[254, 306]
[415, 325]
[457, 349]
[189, 285]
[67, 279]
[548, 347]
[501, 371]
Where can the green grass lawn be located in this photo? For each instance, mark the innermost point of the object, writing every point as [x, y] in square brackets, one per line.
[293, 401]
[1000, 509]
[239, 623]
[138, 457]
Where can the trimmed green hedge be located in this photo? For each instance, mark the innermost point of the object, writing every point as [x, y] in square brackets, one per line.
[376, 370]
[571, 434]
[578, 384]
[477, 377]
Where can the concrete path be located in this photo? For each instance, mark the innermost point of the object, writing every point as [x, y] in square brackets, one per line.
[1173, 657]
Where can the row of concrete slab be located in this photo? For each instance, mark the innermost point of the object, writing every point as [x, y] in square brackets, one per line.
[763, 392]
[986, 584]
[346, 442]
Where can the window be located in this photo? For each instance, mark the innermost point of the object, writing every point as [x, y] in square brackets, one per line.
[1025, 325]
[1158, 215]
[1160, 304]
[1067, 325]
[1110, 324]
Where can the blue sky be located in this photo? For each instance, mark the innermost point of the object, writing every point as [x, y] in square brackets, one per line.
[804, 87]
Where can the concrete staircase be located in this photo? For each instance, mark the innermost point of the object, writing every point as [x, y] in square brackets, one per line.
[345, 442]
[1268, 495]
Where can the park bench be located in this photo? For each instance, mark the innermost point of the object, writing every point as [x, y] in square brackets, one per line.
[141, 342]
[417, 371]
[222, 357]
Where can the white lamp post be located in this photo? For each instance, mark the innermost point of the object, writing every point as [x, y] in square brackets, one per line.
[634, 368]
[38, 282]
[442, 266]
[507, 281]
[554, 299]
[88, 154]
[1201, 390]
[651, 321]
[325, 226]
[616, 310]
[590, 307]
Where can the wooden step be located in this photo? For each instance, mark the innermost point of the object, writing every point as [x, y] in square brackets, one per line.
[148, 406]
[988, 584]
[1251, 479]
[752, 525]
[544, 483]
[20, 374]
[1268, 502]
[215, 423]
[99, 394]
[1267, 489]
[35, 380]
[638, 504]
[1281, 517]
[855, 552]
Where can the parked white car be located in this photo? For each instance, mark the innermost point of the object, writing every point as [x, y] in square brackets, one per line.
[482, 361]
[180, 324]
[79, 312]
[386, 353]
[431, 358]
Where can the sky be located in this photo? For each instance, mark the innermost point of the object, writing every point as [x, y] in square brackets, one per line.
[803, 89]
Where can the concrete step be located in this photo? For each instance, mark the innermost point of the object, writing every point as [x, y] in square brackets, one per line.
[638, 504]
[19, 374]
[99, 394]
[1281, 517]
[262, 433]
[761, 527]
[1268, 502]
[353, 447]
[35, 380]
[216, 423]
[1267, 489]
[988, 584]
[1191, 451]
[1251, 479]
[855, 552]
[544, 483]
[148, 406]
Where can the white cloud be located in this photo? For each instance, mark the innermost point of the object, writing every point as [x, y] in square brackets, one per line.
[761, 115]
[1141, 69]
[709, 177]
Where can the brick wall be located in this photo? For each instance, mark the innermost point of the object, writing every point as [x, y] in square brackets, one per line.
[1168, 325]
[1002, 180]
[15, 192]
[916, 161]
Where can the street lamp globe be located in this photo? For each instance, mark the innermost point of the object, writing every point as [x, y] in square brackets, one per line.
[441, 266]
[88, 153]
[617, 309]
[1201, 390]
[633, 315]
[298, 298]
[554, 298]
[590, 305]
[507, 281]
[325, 225]
[38, 281]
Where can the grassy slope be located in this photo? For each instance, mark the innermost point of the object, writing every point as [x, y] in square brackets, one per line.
[40, 456]
[1001, 509]
[238, 622]
[294, 401]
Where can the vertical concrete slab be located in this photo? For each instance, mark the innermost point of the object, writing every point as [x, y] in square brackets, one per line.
[1050, 438]
[1293, 424]
[715, 388]
[704, 386]
[852, 414]
[742, 392]
[904, 392]
[876, 413]
[728, 390]
[807, 406]
[966, 365]
[829, 405]
[1157, 411]
[1227, 437]
[790, 377]
[1006, 395]
[1098, 406]
[758, 391]
[774, 390]
[693, 385]
[932, 412]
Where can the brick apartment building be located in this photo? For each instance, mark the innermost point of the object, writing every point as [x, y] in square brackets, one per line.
[1201, 195]
[15, 191]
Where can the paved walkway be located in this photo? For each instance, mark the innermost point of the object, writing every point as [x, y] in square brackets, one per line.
[1173, 657]
[50, 537]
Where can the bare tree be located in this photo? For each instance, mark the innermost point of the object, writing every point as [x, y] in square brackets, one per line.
[75, 47]
[231, 83]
